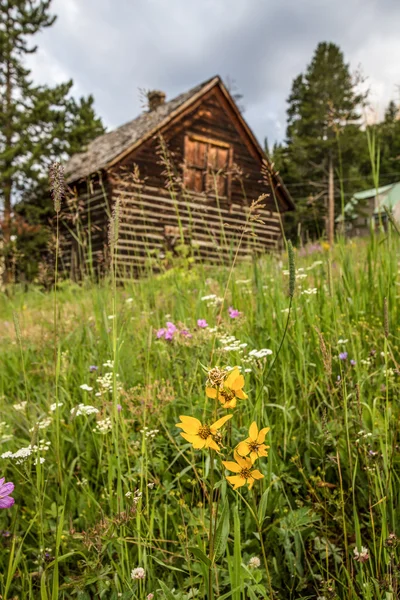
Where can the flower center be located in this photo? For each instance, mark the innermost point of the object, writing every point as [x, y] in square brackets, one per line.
[204, 432]
[227, 395]
[254, 446]
[245, 473]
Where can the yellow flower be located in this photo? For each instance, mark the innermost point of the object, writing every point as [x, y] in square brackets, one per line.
[254, 445]
[230, 390]
[243, 469]
[201, 436]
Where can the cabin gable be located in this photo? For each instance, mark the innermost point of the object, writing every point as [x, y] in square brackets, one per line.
[211, 125]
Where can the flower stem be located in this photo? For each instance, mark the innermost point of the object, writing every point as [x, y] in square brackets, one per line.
[211, 534]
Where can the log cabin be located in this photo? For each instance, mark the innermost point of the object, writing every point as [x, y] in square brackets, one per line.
[181, 179]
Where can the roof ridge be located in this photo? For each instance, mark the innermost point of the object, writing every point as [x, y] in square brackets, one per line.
[108, 146]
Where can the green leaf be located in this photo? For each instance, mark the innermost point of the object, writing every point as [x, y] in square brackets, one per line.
[262, 508]
[160, 562]
[222, 533]
[200, 555]
[237, 556]
[167, 593]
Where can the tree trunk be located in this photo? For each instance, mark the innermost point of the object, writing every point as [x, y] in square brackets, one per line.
[331, 205]
[7, 183]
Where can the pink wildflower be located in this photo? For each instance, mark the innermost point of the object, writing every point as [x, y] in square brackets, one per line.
[5, 490]
[233, 312]
[202, 323]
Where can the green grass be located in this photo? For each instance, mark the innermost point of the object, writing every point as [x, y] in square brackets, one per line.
[331, 480]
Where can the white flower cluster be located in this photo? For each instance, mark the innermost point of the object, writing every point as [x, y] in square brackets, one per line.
[109, 364]
[20, 455]
[138, 573]
[83, 409]
[254, 562]
[23, 454]
[20, 406]
[299, 273]
[309, 292]
[363, 435]
[212, 300]
[150, 433]
[231, 344]
[42, 424]
[259, 354]
[366, 361]
[85, 387]
[106, 383]
[53, 407]
[103, 426]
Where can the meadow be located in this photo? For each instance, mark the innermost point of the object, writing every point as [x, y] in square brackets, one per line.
[111, 501]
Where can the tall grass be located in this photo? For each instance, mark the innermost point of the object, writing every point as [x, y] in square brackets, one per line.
[86, 517]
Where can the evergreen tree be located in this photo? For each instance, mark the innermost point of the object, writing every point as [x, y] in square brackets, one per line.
[322, 135]
[37, 123]
[389, 143]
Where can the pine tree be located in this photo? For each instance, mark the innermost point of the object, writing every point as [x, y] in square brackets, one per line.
[37, 123]
[389, 143]
[323, 120]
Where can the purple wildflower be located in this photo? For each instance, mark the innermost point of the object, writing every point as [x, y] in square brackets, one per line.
[353, 362]
[171, 327]
[5, 490]
[186, 333]
[233, 312]
[161, 333]
[119, 407]
[343, 355]
[202, 323]
[93, 368]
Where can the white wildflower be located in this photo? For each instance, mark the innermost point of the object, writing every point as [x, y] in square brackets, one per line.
[103, 426]
[83, 409]
[138, 573]
[86, 387]
[20, 406]
[254, 562]
[53, 407]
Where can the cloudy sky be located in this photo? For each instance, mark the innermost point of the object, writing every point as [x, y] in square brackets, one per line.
[112, 48]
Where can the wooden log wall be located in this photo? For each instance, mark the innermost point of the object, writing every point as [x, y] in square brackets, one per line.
[84, 229]
[152, 222]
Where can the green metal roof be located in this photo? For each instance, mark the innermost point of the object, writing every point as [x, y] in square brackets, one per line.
[389, 196]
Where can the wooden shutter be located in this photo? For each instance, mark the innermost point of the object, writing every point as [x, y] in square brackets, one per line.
[206, 165]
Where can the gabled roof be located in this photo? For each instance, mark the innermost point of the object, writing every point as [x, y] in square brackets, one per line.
[109, 148]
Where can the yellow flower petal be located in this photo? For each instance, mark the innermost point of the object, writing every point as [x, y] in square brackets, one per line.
[210, 443]
[241, 395]
[245, 463]
[196, 441]
[236, 481]
[256, 474]
[189, 424]
[218, 424]
[262, 434]
[231, 466]
[253, 431]
[250, 483]
[262, 451]
[253, 457]
[229, 403]
[211, 392]
[231, 377]
[243, 448]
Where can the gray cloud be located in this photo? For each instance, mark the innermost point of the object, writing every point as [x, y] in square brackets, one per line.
[111, 48]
